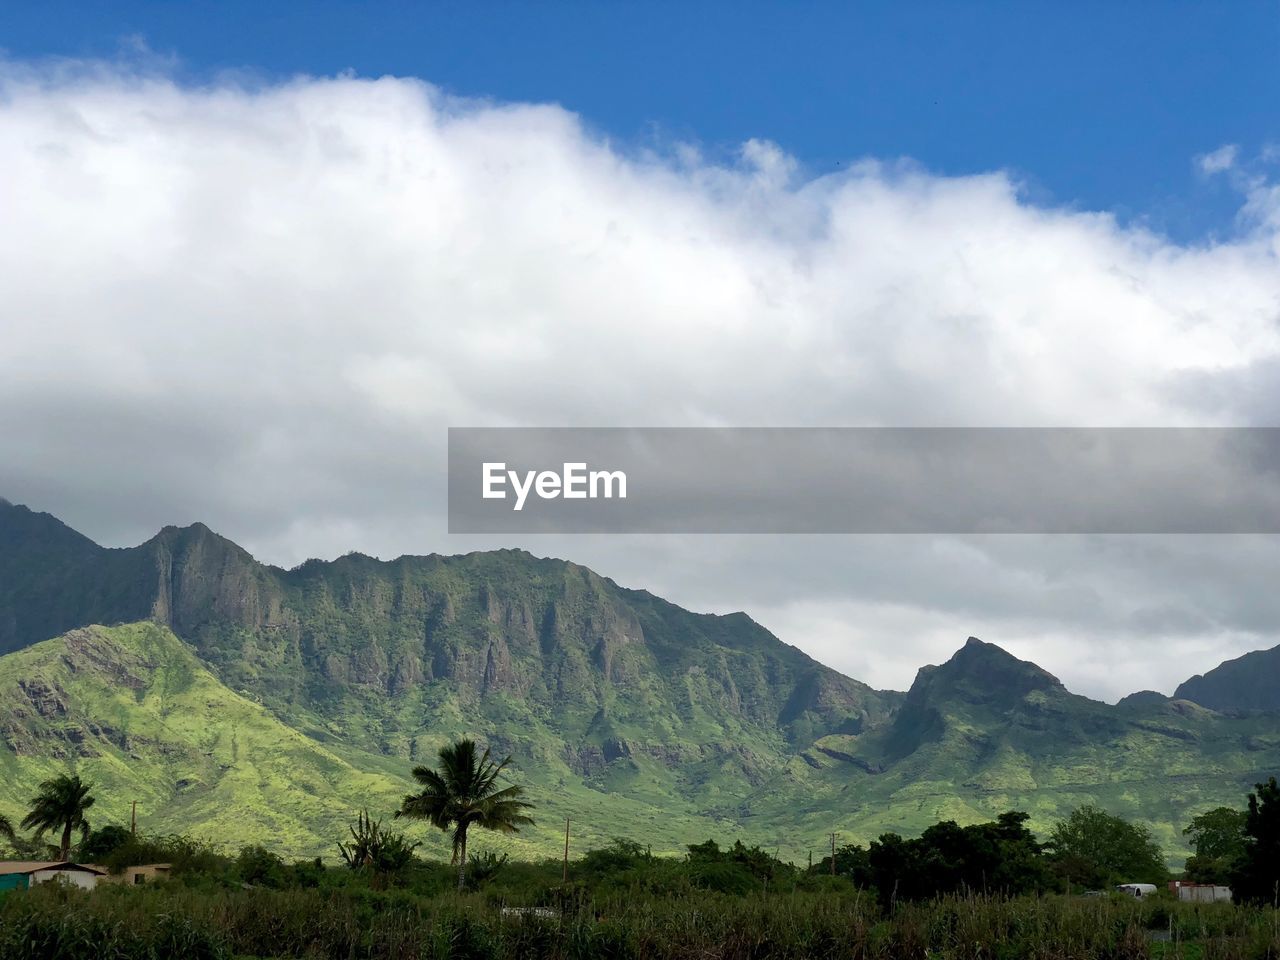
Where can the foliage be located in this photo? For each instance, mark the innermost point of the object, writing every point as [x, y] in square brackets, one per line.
[463, 793]
[61, 804]
[739, 869]
[1093, 848]
[259, 867]
[1002, 856]
[736, 902]
[374, 849]
[170, 920]
[186, 855]
[102, 843]
[852, 861]
[483, 868]
[245, 776]
[1257, 876]
[1218, 839]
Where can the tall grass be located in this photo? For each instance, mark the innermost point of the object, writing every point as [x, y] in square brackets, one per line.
[172, 921]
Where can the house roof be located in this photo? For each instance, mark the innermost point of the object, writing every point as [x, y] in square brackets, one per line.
[8, 867]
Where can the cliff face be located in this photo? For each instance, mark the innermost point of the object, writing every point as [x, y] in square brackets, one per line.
[360, 648]
[313, 691]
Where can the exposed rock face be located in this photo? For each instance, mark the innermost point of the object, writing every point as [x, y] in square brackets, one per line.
[359, 640]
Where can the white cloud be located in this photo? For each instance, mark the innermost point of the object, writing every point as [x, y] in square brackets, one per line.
[262, 306]
[1218, 161]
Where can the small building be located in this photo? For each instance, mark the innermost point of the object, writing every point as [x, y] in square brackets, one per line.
[1200, 892]
[143, 873]
[1138, 890]
[24, 874]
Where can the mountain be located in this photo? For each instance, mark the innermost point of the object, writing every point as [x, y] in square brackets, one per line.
[1247, 684]
[134, 710]
[595, 690]
[240, 701]
[986, 732]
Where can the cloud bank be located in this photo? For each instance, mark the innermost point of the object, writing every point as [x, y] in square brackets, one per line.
[261, 305]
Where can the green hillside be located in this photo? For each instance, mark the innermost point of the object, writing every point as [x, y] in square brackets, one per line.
[132, 709]
[986, 732]
[295, 697]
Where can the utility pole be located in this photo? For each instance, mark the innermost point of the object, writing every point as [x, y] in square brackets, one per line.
[133, 820]
[565, 876]
[833, 854]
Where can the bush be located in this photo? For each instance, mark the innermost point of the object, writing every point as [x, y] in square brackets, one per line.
[358, 923]
[260, 867]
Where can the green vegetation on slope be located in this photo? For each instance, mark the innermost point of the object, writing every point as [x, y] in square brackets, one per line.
[621, 711]
[132, 710]
[986, 732]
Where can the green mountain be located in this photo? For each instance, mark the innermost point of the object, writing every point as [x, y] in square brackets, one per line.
[601, 694]
[986, 732]
[134, 710]
[1247, 684]
[247, 703]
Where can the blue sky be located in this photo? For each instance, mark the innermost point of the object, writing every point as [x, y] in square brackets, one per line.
[1097, 106]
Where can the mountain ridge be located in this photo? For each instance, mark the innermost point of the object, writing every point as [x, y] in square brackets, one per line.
[1248, 683]
[616, 705]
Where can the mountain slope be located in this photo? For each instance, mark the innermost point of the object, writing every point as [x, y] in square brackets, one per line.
[359, 648]
[132, 709]
[602, 694]
[985, 732]
[1248, 683]
[621, 711]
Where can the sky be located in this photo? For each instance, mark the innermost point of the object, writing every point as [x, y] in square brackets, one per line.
[255, 265]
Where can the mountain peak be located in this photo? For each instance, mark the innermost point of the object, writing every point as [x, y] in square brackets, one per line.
[22, 527]
[982, 672]
[196, 535]
[1246, 684]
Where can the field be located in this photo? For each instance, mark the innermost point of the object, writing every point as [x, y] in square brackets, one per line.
[172, 920]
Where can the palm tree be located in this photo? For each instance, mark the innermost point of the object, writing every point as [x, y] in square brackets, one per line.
[6, 828]
[465, 792]
[61, 803]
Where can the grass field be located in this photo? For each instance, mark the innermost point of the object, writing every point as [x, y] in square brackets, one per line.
[171, 920]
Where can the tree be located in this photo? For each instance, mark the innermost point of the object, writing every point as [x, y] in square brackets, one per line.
[852, 862]
[1257, 876]
[102, 843]
[463, 793]
[376, 849]
[1002, 855]
[260, 867]
[1093, 848]
[61, 803]
[6, 828]
[1218, 840]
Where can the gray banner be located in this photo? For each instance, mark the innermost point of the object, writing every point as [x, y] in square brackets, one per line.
[864, 480]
